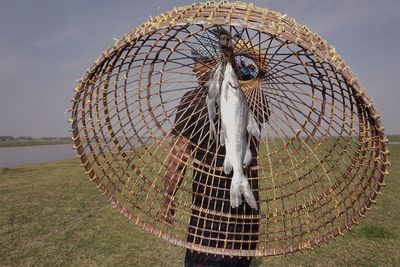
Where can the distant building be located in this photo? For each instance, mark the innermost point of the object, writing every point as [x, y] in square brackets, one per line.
[48, 138]
[24, 138]
[7, 138]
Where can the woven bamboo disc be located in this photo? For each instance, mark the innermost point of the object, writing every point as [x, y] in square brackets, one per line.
[318, 167]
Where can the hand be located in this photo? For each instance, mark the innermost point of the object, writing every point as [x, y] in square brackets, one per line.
[167, 211]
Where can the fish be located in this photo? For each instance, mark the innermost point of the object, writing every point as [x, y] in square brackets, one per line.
[237, 125]
[212, 98]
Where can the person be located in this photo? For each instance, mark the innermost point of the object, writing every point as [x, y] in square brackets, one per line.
[213, 222]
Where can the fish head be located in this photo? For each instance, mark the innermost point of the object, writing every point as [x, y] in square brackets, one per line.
[225, 42]
[225, 38]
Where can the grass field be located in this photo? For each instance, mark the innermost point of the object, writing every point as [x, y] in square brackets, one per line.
[51, 215]
[33, 143]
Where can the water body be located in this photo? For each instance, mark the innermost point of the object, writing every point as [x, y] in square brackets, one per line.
[12, 156]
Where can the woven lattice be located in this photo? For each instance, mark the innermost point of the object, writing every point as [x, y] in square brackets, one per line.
[319, 164]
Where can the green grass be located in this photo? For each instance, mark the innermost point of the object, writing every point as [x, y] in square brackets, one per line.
[51, 215]
[33, 143]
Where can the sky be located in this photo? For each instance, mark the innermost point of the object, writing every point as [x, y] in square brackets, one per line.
[46, 45]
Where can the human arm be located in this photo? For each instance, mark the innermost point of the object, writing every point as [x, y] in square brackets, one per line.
[176, 167]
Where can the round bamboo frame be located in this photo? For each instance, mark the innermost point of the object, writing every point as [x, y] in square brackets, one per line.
[322, 157]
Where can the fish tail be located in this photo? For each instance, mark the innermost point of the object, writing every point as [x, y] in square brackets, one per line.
[213, 131]
[241, 186]
[246, 191]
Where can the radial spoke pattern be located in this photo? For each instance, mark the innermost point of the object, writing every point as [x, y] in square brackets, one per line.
[320, 162]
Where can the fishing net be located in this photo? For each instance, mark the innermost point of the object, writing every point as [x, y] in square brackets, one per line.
[316, 170]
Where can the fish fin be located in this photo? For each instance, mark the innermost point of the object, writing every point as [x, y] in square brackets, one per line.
[213, 132]
[227, 165]
[246, 191]
[252, 126]
[234, 193]
[208, 83]
[222, 136]
[247, 157]
[263, 133]
[211, 116]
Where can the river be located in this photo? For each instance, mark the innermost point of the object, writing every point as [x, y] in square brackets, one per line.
[12, 156]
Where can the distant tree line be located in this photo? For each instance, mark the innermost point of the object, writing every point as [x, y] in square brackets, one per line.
[30, 138]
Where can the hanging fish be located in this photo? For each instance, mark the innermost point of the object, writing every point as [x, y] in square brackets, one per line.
[213, 84]
[237, 122]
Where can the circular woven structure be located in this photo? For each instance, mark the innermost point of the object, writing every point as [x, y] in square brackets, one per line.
[319, 164]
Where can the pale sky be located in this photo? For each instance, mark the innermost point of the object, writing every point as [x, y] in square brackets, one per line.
[46, 45]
